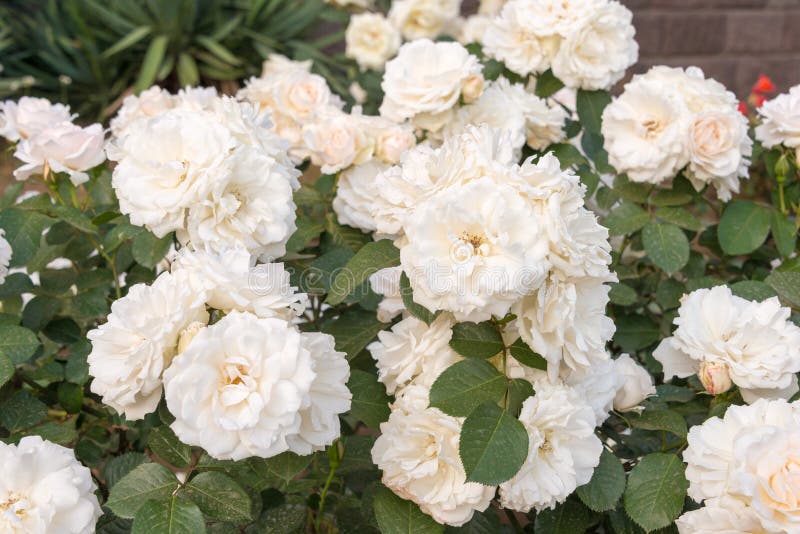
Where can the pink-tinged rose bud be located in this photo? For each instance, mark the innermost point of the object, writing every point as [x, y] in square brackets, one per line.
[715, 377]
[473, 89]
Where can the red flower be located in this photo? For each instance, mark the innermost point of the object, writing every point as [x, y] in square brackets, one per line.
[764, 85]
[743, 108]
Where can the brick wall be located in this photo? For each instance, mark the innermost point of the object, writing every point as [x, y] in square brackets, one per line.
[731, 40]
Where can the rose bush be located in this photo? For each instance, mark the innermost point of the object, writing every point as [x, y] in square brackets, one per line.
[476, 292]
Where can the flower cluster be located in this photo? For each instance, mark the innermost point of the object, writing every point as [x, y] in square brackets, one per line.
[48, 141]
[727, 340]
[587, 43]
[744, 467]
[670, 120]
[780, 123]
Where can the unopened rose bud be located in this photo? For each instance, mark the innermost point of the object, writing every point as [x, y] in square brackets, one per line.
[187, 335]
[715, 377]
[473, 89]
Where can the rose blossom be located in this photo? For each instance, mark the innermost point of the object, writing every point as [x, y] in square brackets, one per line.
[148, 103]
[5, 255]
[355, 194]
[337, 140]
[29, 115]
[138, 341]
[635, 384]
[386, 282]
[418, 19]
[371, 40]
[63, 147]
[44, 489]
[780, 120]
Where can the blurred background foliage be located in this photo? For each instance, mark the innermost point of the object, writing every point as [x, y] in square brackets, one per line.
[92, 53]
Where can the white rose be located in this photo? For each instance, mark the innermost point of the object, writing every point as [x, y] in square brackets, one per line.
[252, 207]
[474, 250]
[756, 341]
[63, 147]
[45, 490]
[148, 103]
[386, 282]
[726, 515]
[426, 79]
[232, 283]
[138, 341]
[29, 116]
[719, 151]
[418, 454]
[337, 141]
[418, 19]
[563, 449]
[597, 385]
[391, 139]
[240, 387]
[780, 120]
[355, 194]
[510, 107]
[596, 54]
[473, 28]
[328, 396]
[490, 8]
[413, 352]
[423, 171]
[565, 322]
[371, 40]
[645, 131]
[635, 384]
[698, 93]
[747, 461]
[5, 255]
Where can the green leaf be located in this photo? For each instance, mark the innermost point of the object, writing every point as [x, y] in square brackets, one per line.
[133, 37]
[398, 516]
[370, 403]
[371, 257]
[307, 230]
[783, 232]
[635, 192]
[743, 227]
[669, 293]
[165, 444]
[187, 70]
[590, 106]
[73, 217]
[656, 491]
[605, 488]
[15, 284]
[481, 523]
[547, 84]
[493, 445]
[635, 332]
[417, 310]
[63, 330]
[671, 197]
[567, 155]
[622, 294]
[18, 343]
[147, 481]
[752, 290]
[466, 384]
[119, 466]
[70, 397]
[148, 250]
[6, 369]
[525, 355]
[23, 231]
[283, 468]
[353, 330]
[680, 217]
[21, 411]
[476, 340]
[666, 245]
[626, 218]
[787, 284]
[151, 62]
[519, 389]
[39, 311]
[569, 517]
[666, 420]
[172, 515]
[218, 496]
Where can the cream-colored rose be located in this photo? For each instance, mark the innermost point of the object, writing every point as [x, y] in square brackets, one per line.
[5, 255]
[517, 38]
[715, 377]
[29, 116]
[371, 40]
[426, 79]
[595, 55]
[338, 140]
[63, 147]
[417, 452]
[780, 120]
[719, 150]
[355, 193]
[44, 489]
[419, 19]
[148, 103]
[755, 341]
[386, 282]
[634, 384]
[473, 28]
[413, 352]
[726, 515]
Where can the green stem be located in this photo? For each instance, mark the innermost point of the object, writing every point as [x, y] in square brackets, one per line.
[333, 456]
[512, 518]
